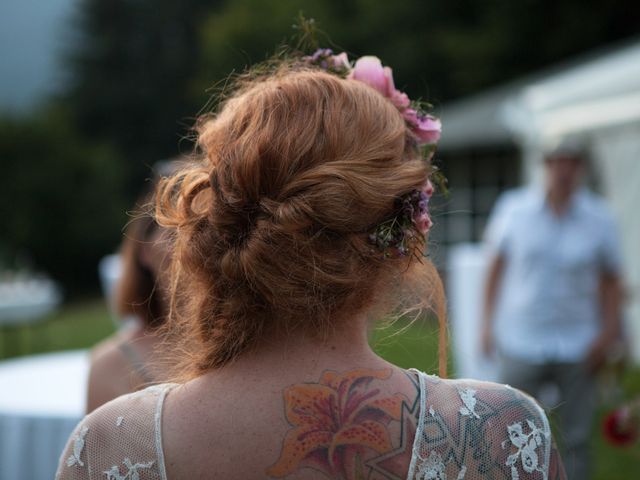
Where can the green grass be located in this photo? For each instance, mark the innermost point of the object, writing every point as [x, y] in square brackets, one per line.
[616, 463]
[83, 324]
[413, 345]
[79, 325]
[613, 463]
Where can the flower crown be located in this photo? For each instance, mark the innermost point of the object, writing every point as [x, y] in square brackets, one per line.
[411, 220]
[368, 69]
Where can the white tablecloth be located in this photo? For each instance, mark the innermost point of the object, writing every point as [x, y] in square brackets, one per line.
[42, 398]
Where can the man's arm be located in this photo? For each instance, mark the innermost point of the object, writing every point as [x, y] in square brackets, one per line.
[610, 293]
[494, 278]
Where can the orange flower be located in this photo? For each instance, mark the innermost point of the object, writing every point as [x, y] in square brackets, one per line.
[336, 422]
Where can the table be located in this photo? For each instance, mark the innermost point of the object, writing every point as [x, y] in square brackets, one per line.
[24, 300]
[42, 398]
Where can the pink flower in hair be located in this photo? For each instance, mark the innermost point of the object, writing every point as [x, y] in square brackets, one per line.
[410, 223]
[421, 218]
[369, 70]
[428, 189]
[400, 99]
[395, 236]
[425, 127]
[341, 61]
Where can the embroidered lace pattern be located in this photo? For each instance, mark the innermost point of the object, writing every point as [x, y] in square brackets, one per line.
[78, 446]
[469, 430]
[466, 430]
[118, 441]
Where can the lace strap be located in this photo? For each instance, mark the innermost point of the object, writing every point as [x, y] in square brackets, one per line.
[421, 421]
[136, 361]
[158, 429]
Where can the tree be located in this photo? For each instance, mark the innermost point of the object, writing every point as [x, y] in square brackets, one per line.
[60, 198]
[440, 50]
[132, 70]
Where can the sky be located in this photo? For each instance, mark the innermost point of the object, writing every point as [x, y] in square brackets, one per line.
[32, 35]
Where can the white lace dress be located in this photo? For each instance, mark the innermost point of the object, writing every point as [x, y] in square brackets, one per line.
[466, 430]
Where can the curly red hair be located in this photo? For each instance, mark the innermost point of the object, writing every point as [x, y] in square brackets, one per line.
[272, 221]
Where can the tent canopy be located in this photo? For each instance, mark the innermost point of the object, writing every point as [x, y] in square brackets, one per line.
[595, 92]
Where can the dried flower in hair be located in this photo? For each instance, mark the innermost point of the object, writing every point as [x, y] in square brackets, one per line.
[408, 226]
[325, 59]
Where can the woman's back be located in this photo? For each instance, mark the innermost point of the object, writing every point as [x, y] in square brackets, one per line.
[299, 412]
[356, 424]
[264, 420]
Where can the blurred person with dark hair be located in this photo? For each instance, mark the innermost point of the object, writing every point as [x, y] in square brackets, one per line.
[125, 362]
[553, 294]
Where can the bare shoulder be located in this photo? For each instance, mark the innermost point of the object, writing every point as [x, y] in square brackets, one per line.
[109, 373]
[107, 355]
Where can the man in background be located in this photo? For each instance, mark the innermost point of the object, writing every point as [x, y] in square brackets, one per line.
[553, 294]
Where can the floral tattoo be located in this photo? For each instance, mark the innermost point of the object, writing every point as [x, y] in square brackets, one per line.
[342, 425]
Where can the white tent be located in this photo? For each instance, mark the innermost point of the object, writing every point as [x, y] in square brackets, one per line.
[596, 99]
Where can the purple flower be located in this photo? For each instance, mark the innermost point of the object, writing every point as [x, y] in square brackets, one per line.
[325, 59]
[341, 61]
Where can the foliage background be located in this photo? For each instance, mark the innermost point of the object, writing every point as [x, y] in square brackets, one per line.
[140, 72]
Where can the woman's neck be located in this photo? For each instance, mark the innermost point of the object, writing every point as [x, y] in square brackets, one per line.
[301, 353]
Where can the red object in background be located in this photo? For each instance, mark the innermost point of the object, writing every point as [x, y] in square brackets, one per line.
[620, 427]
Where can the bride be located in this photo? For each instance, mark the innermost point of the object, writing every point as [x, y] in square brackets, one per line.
[303, 220]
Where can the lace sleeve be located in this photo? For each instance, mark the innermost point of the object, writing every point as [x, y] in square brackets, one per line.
[119, 441]
[531, 449]
[471, 430]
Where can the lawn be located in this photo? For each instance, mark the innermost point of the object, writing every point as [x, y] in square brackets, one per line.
[83, 324]
[79, 325]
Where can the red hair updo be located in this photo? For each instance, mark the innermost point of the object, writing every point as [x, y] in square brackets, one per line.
[272, 221]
